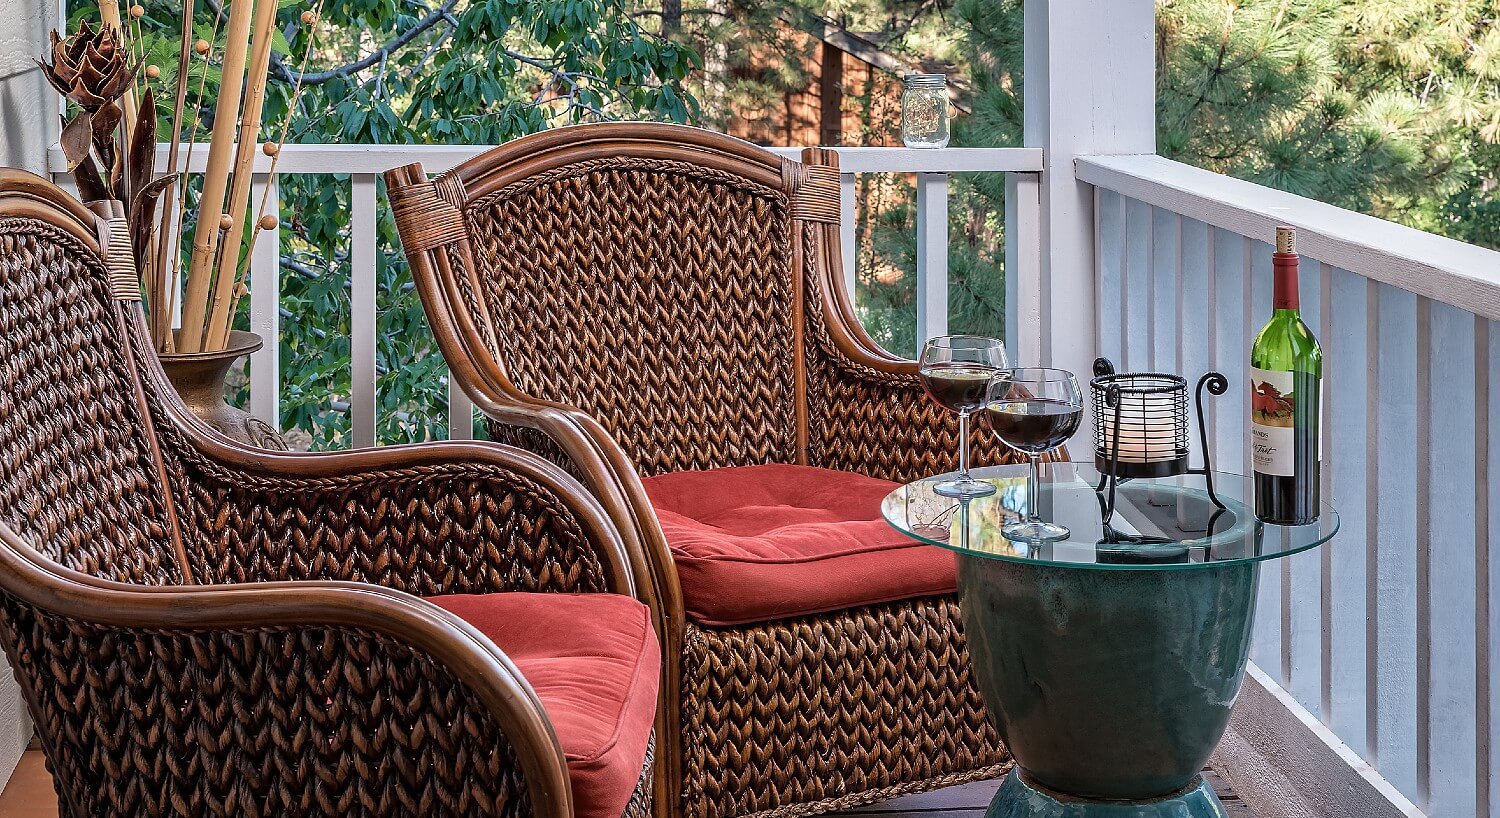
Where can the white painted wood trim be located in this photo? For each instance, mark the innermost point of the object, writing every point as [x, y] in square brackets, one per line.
[932, 256]
[1439, 268]
[265, 307]
[1285, 764]
[1023, 269]
[460, 412]
[363, 231]
[438, 158]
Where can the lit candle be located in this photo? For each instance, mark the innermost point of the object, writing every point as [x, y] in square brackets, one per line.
[1147, 429]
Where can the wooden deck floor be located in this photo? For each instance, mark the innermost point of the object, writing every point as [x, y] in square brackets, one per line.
[29, 795]
[970, 801]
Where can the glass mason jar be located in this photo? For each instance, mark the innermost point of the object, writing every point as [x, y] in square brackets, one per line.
[924, 111]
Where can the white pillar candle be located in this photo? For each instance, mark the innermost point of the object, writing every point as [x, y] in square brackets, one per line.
[1147, 429]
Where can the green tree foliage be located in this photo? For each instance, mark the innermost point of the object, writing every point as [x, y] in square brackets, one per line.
[1390, 107]
[412, 72]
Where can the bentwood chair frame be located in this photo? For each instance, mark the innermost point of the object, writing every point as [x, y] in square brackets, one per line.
[204, 629]
[742, 733]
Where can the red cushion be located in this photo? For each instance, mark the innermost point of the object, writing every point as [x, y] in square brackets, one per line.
[757, 543]
[594, 661]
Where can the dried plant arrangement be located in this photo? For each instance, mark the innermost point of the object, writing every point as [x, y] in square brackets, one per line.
[111, 146]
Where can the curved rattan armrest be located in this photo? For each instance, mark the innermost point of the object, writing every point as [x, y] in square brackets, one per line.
[595, 458]
[433, 642]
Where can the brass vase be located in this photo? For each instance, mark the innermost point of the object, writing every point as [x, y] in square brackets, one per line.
[199, 378]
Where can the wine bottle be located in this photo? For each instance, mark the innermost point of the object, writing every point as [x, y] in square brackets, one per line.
[1286, 379]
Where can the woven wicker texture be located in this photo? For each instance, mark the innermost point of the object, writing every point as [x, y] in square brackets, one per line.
[644, 274]
[829, 711]
[877, 422]
[263, 718]
[76, 470]
[440, 529]
[320, 721]
[654, 295]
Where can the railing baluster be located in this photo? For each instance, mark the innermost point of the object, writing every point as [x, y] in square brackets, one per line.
[1023, 266]
[460, 412]
[1135, 283]
[1109, 285]
[265, 304]
[1448, 604]
[1345, 387]
[1487, 521]
[1325, 442]
[1194, 343]
[1166, 287]
[1270, 617]
[1232, 410]
[363, 235]
[1396, 571]
[849, 232]
[1301, 575]
[932, 256]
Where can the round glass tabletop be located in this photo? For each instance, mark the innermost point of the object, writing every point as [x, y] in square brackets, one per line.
[1162, 523]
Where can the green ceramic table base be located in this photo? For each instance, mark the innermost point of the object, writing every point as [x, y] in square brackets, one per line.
[1021, 799]
[1111, 687]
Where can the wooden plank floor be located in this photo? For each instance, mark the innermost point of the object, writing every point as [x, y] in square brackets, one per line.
[29, 795]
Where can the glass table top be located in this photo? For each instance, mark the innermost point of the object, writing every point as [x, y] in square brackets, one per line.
[1162, 523]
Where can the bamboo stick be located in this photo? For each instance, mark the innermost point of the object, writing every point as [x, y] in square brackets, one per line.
[161, 309]
[216, 177]
[203, 48]
[268, 221]
[221, 316]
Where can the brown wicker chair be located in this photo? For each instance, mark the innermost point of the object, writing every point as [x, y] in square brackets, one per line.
[202, 629]
[528, 259]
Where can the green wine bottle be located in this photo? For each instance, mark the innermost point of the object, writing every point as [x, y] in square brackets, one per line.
[1286, 380]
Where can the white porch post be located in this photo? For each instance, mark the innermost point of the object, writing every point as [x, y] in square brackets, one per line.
[1090, 88]
[28, 117]
[28, 105]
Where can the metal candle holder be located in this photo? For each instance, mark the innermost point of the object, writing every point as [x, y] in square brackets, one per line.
[1141, 430]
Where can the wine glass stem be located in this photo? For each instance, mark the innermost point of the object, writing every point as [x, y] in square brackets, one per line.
[963, 445]
[1033, 489]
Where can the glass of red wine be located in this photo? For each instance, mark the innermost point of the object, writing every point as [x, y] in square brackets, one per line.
[956, 371]
[1034, 410]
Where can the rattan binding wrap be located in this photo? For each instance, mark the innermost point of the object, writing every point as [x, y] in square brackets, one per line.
[817, 198]
[304, 684]
[637, 298]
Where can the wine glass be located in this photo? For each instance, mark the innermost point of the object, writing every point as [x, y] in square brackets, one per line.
[956, 371]
[1034, 410]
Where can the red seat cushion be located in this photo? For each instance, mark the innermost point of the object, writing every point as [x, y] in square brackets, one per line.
[594, 662]
[757, 543]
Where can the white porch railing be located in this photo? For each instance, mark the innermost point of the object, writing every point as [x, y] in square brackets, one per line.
[365, 163]
[1387, 634]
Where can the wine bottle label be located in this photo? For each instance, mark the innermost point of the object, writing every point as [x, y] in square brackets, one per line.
[1273, 413]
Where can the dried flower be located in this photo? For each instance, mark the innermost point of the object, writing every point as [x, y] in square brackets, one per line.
[91, 68]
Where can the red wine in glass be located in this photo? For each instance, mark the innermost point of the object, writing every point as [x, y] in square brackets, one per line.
[1035, 426]
[957, 371]
[1034, 410]
[957, 387]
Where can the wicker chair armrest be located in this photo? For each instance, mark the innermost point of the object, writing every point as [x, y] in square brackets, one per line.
[309, 698]
[576, 441]
[426, 519]
[870, 414]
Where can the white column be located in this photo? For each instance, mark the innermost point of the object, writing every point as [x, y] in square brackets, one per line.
[1090, 89]
[28, 105]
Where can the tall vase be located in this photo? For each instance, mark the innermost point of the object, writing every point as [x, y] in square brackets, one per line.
[199, 378]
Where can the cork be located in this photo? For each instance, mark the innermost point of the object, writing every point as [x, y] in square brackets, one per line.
[1286, 239]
